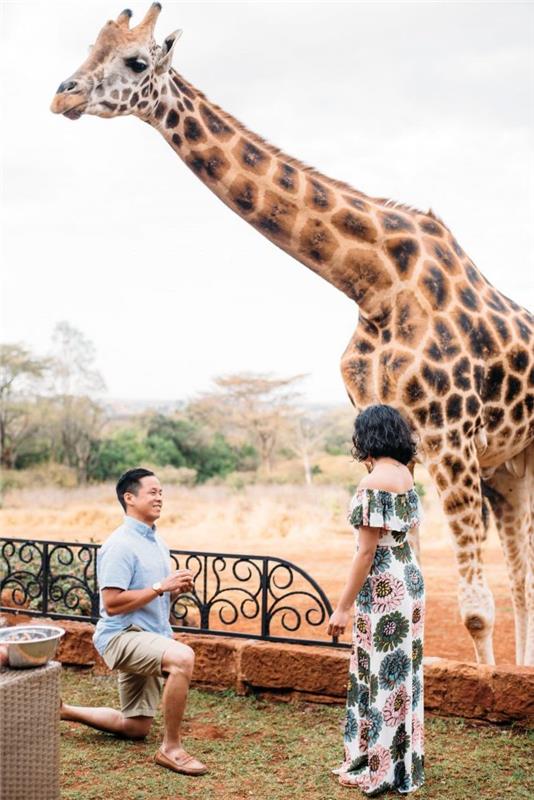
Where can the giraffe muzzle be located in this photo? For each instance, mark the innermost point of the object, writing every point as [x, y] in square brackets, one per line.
[69, 100]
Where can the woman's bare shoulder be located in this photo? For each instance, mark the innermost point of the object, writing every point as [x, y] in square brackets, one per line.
[387, 480]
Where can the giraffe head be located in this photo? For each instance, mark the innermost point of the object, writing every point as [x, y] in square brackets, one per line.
[122, 73]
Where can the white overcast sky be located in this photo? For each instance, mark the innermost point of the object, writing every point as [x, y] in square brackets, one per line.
[428, 103]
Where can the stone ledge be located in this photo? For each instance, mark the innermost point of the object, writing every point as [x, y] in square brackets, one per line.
[480, 691]
[319, 674]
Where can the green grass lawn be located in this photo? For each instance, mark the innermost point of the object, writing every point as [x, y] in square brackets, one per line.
[273, 751]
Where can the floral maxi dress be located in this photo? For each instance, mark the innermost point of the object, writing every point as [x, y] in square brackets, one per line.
[384, 730]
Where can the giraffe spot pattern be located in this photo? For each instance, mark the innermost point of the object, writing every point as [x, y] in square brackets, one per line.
[482, 343]
[453, 408]
[211, 163]
[445, 257]
[215, 124]
[277, 216]
[355, 202]
[367, 276]
[493, 383]
[410, 322]
[354, 226]
[501, 327]
[518, 360]
[317, 242]
[434, 286]
[395, 222]
[494, 416]
[404, 253]
[252, 158]
[468, 298]
[193, 130]
[172, 119]
[287, 178]
[184, 89]
[414, 392]
[473, 276]
[317, 196]
[437, 379]
[431, 227]
[461, 380]
[357, 374]
[244, 195]
[161, 108]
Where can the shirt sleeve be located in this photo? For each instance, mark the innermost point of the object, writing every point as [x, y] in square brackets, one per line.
[115, 567]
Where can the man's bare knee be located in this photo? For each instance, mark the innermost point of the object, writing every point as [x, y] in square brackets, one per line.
[137, 727]
[179, 658]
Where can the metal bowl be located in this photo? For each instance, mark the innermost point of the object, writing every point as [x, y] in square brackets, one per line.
[30, 645]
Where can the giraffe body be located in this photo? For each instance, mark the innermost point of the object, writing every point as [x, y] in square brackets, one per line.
[434, 338]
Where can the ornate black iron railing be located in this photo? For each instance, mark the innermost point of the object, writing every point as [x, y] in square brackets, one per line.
[259, 597]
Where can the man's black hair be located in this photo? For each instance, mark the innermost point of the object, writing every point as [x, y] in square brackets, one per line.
[130, 482]
[381, 431]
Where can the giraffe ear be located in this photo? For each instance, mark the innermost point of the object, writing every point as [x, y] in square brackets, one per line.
[167, 49]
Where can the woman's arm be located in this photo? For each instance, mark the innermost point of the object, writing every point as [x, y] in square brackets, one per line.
[358, 572]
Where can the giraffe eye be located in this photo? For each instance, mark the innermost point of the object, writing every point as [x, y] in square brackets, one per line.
[135, 65]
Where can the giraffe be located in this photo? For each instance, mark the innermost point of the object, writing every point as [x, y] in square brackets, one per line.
[434, 338]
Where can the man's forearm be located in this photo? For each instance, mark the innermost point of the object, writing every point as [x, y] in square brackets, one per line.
[129, 600]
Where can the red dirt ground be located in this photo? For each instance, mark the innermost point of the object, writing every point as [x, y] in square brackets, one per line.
[445, 634]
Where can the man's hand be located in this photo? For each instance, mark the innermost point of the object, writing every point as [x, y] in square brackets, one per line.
[178, 582]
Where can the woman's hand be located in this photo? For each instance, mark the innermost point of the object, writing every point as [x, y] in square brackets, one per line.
[338, 622]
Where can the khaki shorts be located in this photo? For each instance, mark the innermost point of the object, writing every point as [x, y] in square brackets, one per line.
[137, 655]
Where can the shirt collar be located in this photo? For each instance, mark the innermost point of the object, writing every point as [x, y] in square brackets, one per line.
[140, 527]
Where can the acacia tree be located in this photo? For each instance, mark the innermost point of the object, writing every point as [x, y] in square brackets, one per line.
[255, 408]
[20, 374]
[75, 381]
[306, 434]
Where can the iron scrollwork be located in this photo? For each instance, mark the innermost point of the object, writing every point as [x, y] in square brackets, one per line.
[258, 597]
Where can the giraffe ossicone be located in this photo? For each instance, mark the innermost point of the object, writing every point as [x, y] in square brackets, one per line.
[434, 338]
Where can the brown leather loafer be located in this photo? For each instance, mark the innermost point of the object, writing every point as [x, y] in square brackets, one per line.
[186, 764]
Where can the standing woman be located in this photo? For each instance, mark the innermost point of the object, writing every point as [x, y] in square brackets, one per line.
[384, 730]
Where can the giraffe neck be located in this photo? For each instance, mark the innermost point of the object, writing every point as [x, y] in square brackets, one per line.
[326, 225]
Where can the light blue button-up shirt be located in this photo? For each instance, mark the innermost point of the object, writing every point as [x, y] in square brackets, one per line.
[133, 557]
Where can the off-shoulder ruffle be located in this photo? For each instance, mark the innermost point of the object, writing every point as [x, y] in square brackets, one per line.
[392, 511]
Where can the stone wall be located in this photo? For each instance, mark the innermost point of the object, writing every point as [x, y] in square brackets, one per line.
[319, 674]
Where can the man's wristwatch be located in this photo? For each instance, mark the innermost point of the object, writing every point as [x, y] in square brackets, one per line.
[157, 588]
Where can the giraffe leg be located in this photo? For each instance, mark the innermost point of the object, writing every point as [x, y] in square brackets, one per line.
[458, 481]
[509, 499]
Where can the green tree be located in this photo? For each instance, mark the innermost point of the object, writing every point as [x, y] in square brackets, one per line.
[111, 457]
[182, 442]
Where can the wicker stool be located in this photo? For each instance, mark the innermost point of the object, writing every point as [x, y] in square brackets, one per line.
[29, 733]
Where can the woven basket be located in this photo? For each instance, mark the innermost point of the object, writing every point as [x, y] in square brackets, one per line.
[29, 733]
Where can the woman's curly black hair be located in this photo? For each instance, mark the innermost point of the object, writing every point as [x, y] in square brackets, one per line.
[380, 431]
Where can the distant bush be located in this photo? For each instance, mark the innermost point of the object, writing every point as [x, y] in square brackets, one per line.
[111, 457]
[176, 476]
[420, 489]
[49, 474]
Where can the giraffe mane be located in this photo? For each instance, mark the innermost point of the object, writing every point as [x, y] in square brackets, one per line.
[312, 171]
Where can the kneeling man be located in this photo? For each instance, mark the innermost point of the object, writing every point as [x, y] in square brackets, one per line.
[134, 634]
